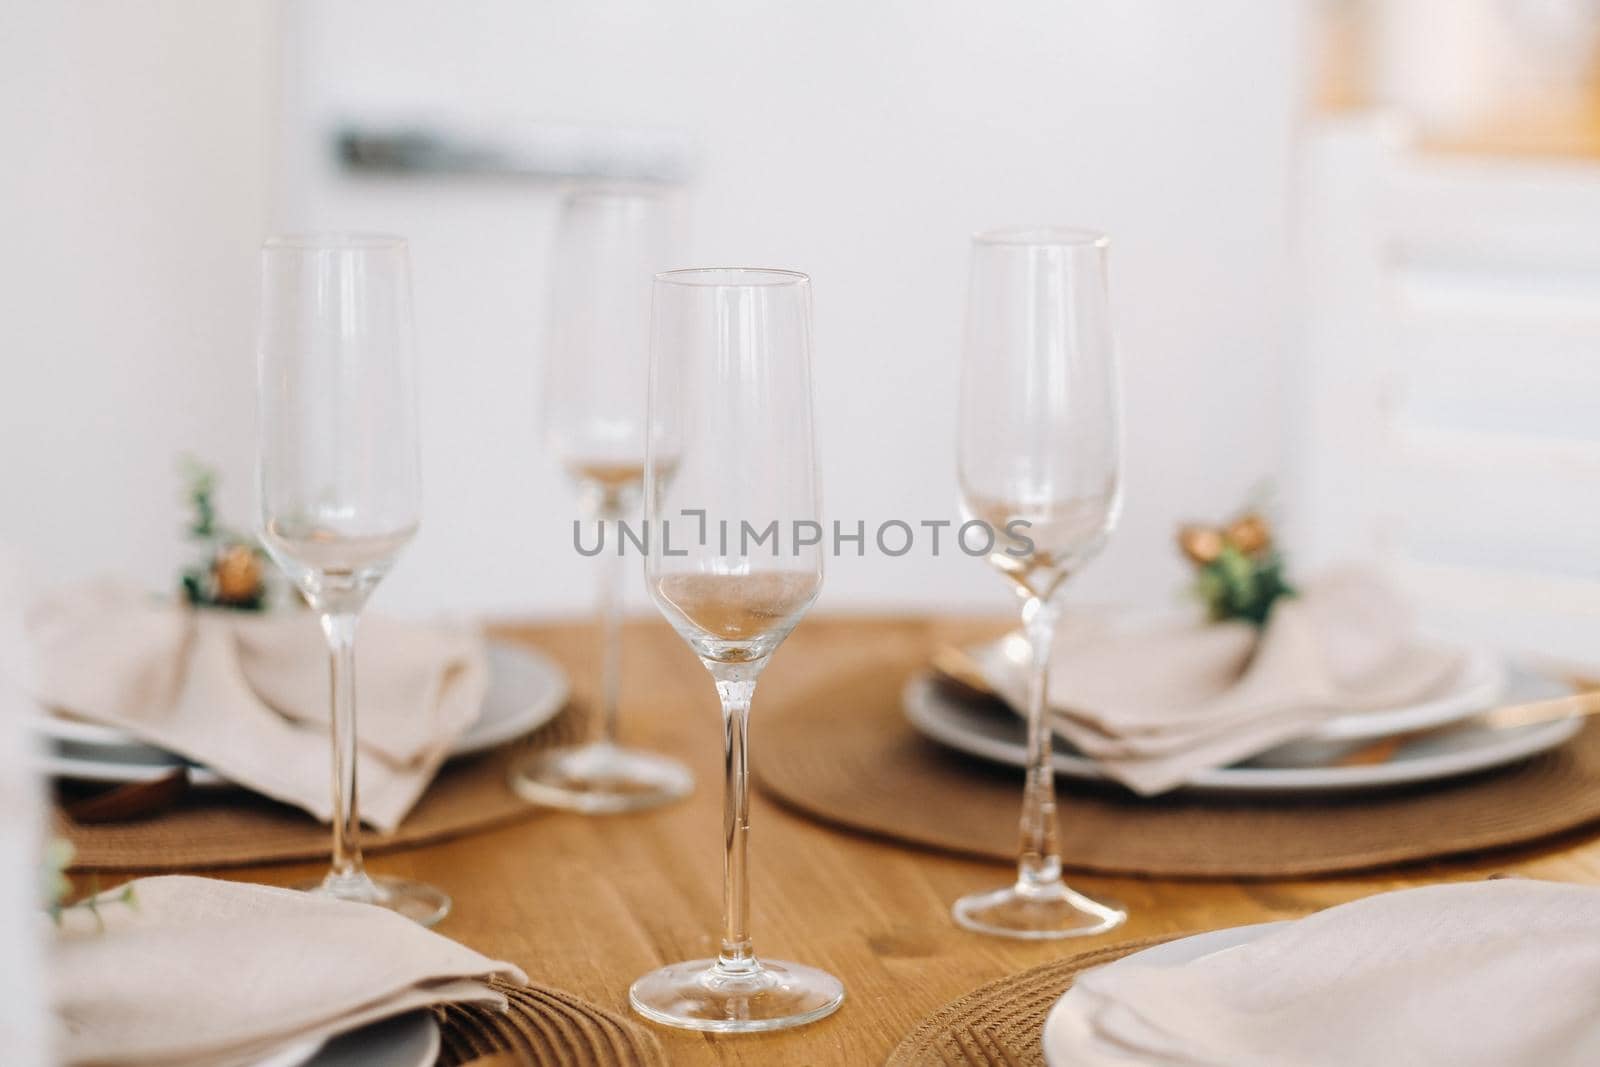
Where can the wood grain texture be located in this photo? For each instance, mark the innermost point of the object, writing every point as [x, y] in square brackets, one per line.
[588, 904]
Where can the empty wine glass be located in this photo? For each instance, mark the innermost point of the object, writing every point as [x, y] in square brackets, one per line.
[338, 476]
[1039, 457]
[609, 244]
[735, 560]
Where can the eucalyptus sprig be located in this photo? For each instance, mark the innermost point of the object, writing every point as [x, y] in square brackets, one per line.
[1239, 571]
[232, 571]
[56, 886]
[200, 486]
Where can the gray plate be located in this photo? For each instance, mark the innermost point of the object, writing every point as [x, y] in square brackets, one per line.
[996, 734]
[526, 690]
[405, 1041]
[408, 1041]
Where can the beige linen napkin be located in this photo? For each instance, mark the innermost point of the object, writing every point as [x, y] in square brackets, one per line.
[1156, 707]
[204, 973]
[247, 695]
[1480, 974]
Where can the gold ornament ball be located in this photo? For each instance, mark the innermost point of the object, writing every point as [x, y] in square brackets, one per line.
[1202, 544]
[237, 571]
[1249, 534]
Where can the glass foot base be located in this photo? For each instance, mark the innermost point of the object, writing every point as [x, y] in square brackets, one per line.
[417, 901]
[1036, 913]
[599, 779]
[702, 995]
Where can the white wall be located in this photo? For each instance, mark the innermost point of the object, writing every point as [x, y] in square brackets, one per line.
[858, 141]
[1446, 416]
[133, 192]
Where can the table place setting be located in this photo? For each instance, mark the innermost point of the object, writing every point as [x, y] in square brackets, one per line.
[245, 696]
[1484, 973]
[187, 738]
[1335, 692]
[1289, 729]
[131, 686]
[190, 737]
[192, 972]
[180, 971]
[1487, 973]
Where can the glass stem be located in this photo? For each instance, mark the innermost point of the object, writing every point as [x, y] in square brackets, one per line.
[736, 687]
[340, 630]
[609, 616]
[1039, 865]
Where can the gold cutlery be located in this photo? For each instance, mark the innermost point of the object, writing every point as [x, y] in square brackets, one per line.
[133, 800]
[1506, 717]
[955, 666]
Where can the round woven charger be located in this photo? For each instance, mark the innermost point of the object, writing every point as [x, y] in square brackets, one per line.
[843, 753]
[1001, 1024]
[211, 828]
[544, 1028]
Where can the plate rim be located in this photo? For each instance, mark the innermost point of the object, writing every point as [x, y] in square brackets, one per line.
[1181, 950]
[297, 1054]
[920, 692]
[1469, 698]
[48, 730]
[555, 697]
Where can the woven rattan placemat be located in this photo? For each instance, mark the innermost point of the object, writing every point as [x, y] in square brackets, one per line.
[211, 828]
[545, 1028]
[1001, 1024]
[842, 752]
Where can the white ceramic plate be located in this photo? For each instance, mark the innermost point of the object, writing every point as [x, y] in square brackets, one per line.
[297, 1055]
[1068, 1041]
[1479, 683]
[995, 734]
[407, 1041]
[526, 690]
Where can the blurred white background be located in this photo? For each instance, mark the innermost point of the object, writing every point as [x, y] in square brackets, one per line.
[1266, 260]
[858, 142]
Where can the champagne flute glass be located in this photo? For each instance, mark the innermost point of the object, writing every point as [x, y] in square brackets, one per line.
[734, 562]
[610, 243]
[338, 476]
[1039, 457]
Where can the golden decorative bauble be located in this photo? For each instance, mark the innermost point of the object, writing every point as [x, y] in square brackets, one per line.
[1250, 534]
[237, 571]
[1202, 544]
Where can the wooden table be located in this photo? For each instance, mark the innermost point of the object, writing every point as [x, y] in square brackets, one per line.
[589, 903]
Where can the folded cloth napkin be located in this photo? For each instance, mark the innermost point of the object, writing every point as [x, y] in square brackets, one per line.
[1155, 707]
[196, 972]
[1486, 973]
[247, 695]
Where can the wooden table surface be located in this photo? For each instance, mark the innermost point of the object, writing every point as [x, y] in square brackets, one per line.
[589, 903]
